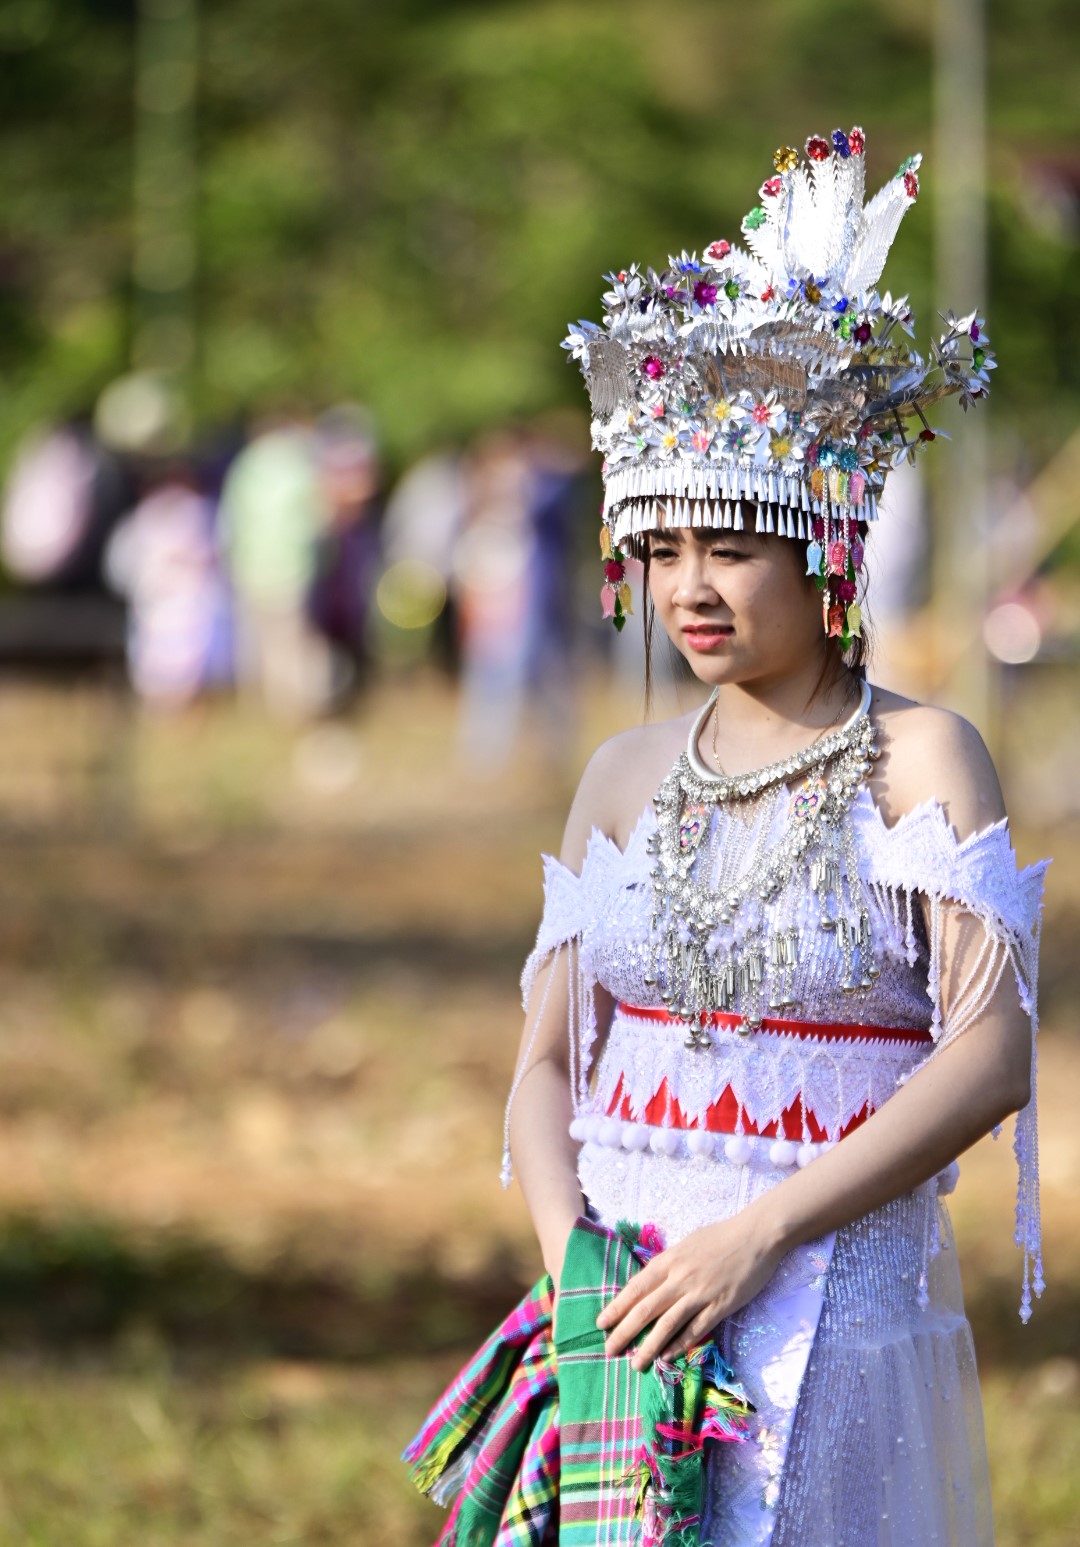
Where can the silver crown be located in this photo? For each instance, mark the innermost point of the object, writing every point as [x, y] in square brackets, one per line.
[772, 386]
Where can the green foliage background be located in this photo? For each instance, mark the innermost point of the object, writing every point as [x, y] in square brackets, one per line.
[406, 202]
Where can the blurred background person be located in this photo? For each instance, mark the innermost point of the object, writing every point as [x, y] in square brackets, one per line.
[63, 494]
[274, 511]
[515, 594]
[163, 558]
[347, 547]
[493, 585]
[558, 492]
[426, 512]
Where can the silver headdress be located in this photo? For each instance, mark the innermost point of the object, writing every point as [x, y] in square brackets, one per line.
[771, 388]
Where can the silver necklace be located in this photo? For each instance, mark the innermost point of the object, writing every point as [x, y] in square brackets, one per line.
[695, 960]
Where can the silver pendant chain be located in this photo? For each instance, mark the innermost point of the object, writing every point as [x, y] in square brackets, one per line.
[816, 848]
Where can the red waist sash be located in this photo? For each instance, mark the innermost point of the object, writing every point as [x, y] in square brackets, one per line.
[725, 1115]
[816, 1031]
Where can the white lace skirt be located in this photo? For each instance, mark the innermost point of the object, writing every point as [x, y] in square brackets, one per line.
[869, 1428]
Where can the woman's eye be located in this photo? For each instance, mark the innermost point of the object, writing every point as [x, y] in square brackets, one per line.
[661, 553]
[727, 553]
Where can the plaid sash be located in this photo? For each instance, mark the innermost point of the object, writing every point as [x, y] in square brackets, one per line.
[492, 1439]
[547, 1439]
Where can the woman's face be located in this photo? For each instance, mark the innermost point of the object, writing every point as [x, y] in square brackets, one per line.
[737, 605]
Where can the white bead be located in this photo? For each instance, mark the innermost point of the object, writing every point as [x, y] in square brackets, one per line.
[700, 1142]
[635, 1136]
[782, 1152]
[737, 1149]
[807, 1153]
[664, 1141]
[610, 1132]
[579, 1129]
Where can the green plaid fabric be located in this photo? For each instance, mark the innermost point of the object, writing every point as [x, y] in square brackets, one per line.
[601, 1432]
[547, 1439]
[512, 1485]
[492, 1439]
[442, 1453]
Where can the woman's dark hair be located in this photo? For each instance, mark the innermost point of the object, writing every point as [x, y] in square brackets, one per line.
[855, 658]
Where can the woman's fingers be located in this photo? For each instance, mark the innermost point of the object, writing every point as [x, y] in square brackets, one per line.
[672, 1304]
[628, 1297]
[695, 1331]
[637, 1318]
[662, 1334]
[623, 1333]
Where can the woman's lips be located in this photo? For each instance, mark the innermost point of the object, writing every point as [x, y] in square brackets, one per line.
[708, 636]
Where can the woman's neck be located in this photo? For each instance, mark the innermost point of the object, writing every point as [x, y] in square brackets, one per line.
[761, 723]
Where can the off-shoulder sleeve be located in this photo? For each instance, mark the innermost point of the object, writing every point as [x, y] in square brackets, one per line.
[921, 857]
[557, 962]
[563, 919]
[561, 960]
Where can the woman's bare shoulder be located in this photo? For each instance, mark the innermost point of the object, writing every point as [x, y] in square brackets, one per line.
[620, 780]
[932, 754]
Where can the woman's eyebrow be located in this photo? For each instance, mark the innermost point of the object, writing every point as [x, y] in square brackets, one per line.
[718, 534]
[704, 535]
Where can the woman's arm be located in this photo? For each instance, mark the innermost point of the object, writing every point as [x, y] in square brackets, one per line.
[543, 1153]
[948, 1104]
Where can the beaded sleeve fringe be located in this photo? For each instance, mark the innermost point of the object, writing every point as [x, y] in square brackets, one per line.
[978, 877]
[563, 957]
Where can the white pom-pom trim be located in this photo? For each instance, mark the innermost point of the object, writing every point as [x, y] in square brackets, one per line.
[609, 1132]
[665, 1141]
[782, 1152]
[737, 1148]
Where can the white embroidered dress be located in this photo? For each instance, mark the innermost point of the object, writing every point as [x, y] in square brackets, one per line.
[858, 1355]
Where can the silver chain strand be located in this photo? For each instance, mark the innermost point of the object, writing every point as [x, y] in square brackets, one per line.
[816, 841]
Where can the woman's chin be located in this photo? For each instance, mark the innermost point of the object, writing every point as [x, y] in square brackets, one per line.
[714, 668]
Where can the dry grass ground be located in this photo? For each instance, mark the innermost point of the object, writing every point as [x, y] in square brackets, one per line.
[253, 1052]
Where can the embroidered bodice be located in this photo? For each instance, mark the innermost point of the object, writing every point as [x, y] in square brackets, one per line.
[609, 905]
[604, 916]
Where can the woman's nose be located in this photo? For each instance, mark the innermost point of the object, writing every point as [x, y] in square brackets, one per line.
[693, 585]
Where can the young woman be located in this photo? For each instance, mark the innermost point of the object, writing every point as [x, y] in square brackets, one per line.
[881, 1426]
[786, 970]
